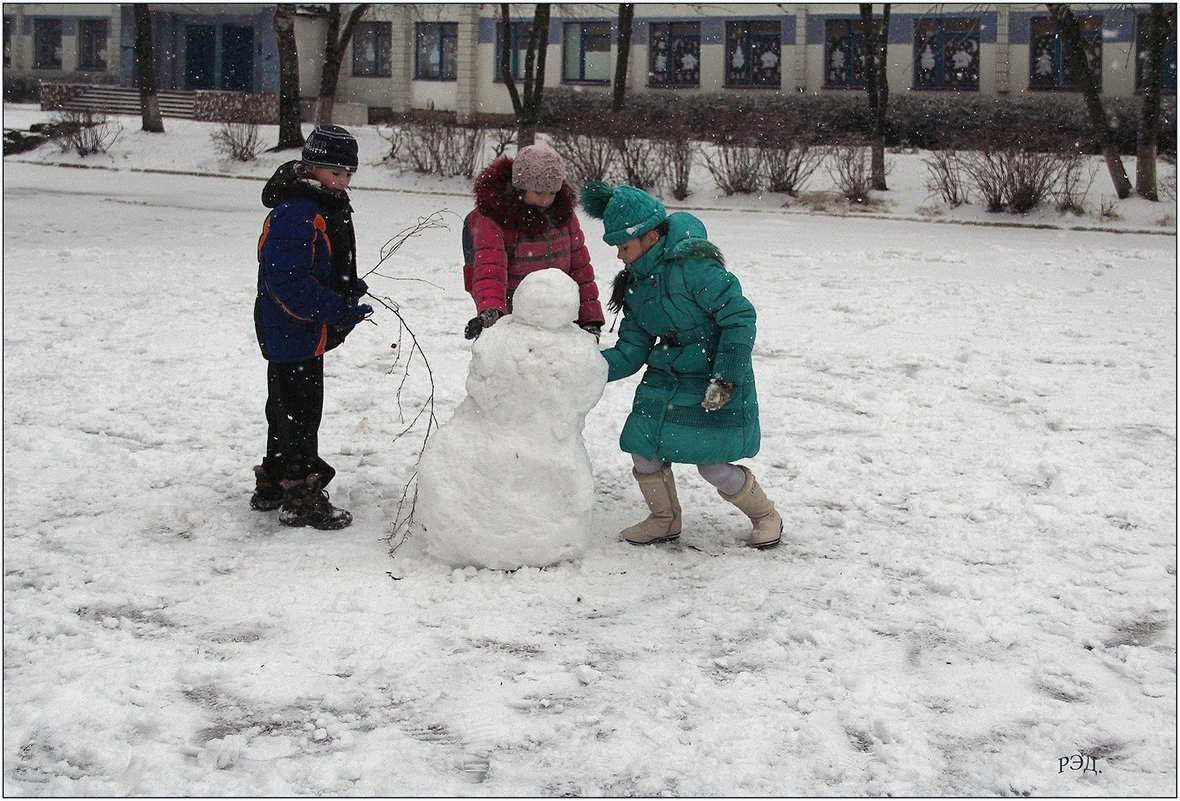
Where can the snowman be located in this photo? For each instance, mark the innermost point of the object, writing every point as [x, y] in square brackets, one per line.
[507, 482]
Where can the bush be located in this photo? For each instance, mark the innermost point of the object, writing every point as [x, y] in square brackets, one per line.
[1017, 169]
[21, 89]
[239, 140]
[946, 176]
[641, 161]
[927, 120]
[678, 157]
[1032, 176]
[736, 169]
[850, 170]
[85, 132]
[1077, 174]
[436, 147]
[587, 157]
[788, 167]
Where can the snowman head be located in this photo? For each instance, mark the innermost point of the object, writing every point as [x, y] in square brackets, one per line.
[546, 299]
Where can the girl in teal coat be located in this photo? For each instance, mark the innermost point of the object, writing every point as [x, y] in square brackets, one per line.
[686, 319]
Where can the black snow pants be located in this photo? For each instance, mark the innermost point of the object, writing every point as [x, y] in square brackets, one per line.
[294, 409]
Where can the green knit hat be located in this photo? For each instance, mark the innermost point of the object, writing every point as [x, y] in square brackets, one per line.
[626, 212]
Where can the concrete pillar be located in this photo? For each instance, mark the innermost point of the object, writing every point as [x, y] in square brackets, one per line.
[467, 85]
[800, 48]
[1003, 50]
[401, 58]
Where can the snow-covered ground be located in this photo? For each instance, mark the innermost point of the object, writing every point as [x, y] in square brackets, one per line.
[970, 431]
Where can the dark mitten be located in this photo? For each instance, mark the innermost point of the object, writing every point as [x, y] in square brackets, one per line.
[359, 289]
[353, 315]
[595, 329]
[485, 319]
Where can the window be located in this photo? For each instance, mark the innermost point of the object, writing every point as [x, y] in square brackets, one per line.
[946, 53]
[587, 52]
[753, 54]
[372, 50]
[518, 49]
[844, 54]
[674, 54]
[1143, 30]
[436, 51]
[1047, 67]
[92, 44]
[47, 44]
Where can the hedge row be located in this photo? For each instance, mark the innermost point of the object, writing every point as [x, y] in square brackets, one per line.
[915, 120]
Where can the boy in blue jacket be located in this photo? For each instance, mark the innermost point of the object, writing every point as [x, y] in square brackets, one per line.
[307, 303]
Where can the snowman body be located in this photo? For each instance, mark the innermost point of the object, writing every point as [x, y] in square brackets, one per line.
[507, 481]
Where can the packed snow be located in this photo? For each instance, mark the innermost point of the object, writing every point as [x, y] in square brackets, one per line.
[507, 481]
[969, 429]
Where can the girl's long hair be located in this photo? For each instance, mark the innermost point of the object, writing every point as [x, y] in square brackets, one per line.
[617, 291]
[619, 286]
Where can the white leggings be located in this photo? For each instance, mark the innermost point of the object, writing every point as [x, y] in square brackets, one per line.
[729, 478]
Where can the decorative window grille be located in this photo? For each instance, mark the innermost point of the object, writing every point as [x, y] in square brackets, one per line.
[1047, 66]
[1168, 68]
[844, 54]
[47, 44]
[436, 51]
[372, 50]
[753, 54]
[946, 53]
[586, 52]
[674, 54]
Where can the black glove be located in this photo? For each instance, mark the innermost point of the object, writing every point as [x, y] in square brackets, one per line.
[359, 289]
[717, 395]
[595, 329]
[353, 315]
[485, 319]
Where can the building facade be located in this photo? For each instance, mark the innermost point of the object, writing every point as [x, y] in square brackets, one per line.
[444, 57]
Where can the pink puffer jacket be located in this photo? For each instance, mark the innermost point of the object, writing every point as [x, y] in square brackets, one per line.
[513, 239]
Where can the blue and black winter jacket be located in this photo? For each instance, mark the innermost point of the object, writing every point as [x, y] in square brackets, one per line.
[306, 268]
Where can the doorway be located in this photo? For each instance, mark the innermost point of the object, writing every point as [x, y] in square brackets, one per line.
[219, 56]
[200, 57]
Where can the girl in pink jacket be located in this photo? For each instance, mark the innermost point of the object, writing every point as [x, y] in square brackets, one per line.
[524, 221]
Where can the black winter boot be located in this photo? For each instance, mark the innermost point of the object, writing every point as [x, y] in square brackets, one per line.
[305, 503]
[268, 494]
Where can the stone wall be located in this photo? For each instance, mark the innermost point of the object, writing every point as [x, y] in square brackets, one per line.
[211, 106]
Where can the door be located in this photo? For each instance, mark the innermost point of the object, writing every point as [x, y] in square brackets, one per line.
[200, 57]
[237, 58]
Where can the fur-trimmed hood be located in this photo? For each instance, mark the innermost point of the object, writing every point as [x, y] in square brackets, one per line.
[497, 199]
[687, 239]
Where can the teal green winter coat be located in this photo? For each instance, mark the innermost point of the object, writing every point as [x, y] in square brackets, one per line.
[685, 317]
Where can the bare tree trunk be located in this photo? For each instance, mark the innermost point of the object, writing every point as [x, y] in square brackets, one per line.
[290, 128]
[149, 101]
[626, 17]
[526, 107]
[334, 47]
[1163, 20]
[1075, 56]
[877, 85]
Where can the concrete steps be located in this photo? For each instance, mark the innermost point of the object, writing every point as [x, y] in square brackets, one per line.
[123, 100]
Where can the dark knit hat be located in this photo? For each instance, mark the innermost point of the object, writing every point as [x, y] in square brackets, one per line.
[330, 146]
[538, 168]
[626, 212]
